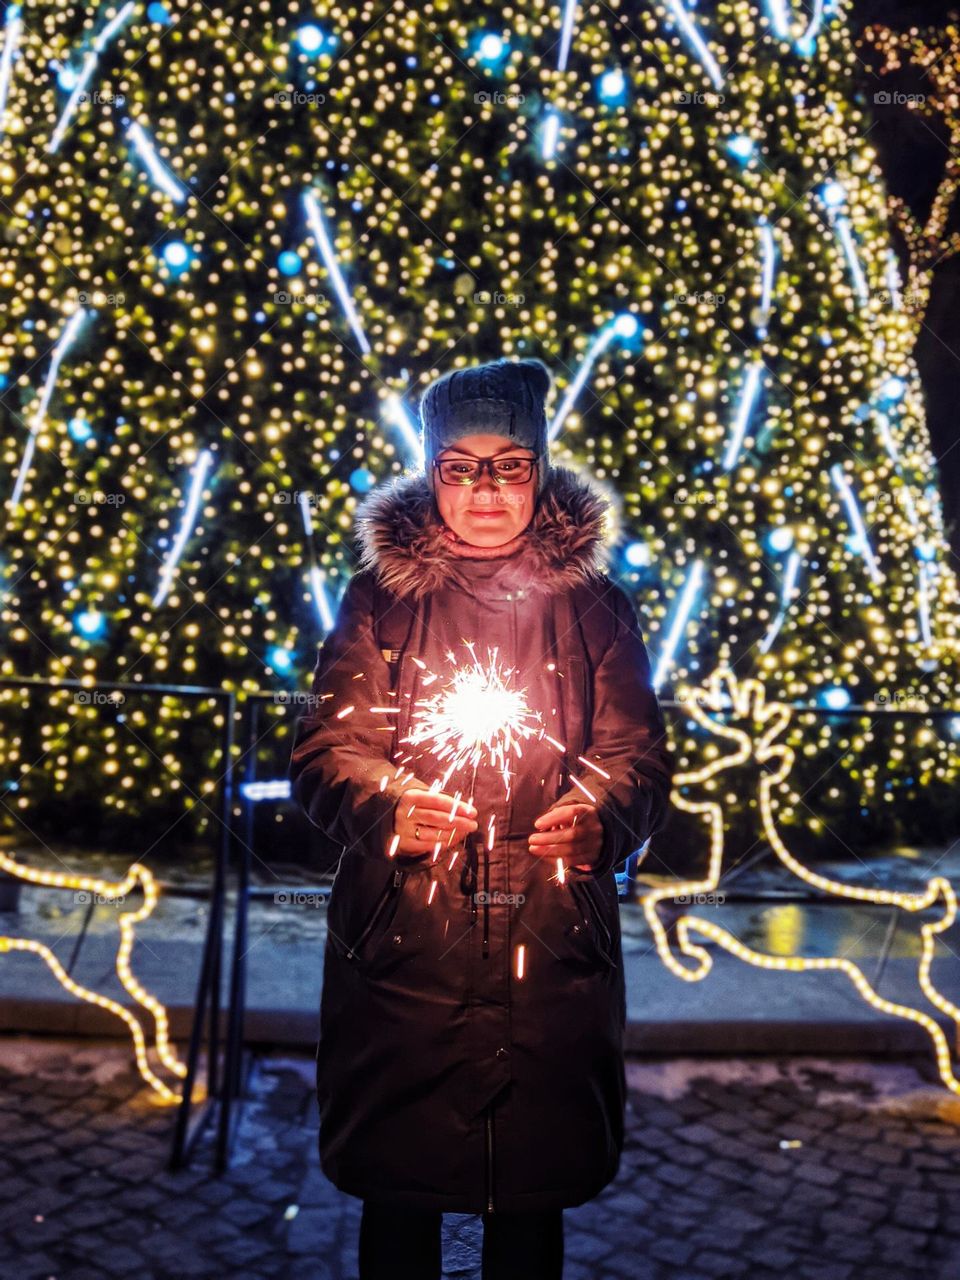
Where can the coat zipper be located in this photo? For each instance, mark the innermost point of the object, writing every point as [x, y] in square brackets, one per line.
[390, 888]
[486, 901]
[490, 1158]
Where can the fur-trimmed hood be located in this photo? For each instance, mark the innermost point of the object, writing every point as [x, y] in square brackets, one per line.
[402, 538]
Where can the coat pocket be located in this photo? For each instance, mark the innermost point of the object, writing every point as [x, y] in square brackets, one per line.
[595, 926]
[361, 947]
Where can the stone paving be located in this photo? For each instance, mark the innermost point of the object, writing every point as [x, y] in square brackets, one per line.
[800, 1169]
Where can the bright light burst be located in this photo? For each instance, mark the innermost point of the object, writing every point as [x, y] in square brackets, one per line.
[477, 716]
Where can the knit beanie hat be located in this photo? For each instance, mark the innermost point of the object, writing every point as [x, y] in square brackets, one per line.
[503, 397]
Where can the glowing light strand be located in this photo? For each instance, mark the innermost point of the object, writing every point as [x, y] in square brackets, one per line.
[853, 512]
[198, 480]
[155, 167]
[138, 876]
[63, 345]
[747, 701]
[327, 253]
[680, 620]
[11, 39]
[86, 72]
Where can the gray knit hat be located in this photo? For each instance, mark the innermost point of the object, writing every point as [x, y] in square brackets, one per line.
[504, 397]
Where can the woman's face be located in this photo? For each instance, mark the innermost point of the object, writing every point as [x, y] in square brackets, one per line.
[486, 514]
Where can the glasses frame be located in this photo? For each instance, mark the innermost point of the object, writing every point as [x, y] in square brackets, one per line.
[485, 464]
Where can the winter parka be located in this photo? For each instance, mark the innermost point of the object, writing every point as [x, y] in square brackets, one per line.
[471, 1024]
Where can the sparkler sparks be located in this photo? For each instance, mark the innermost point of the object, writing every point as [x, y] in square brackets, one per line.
[478, 716]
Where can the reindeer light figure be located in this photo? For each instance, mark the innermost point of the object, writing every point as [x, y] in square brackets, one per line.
[723, 693]
[137, 876]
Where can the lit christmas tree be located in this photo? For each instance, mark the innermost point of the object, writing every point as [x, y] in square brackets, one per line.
[238, 242]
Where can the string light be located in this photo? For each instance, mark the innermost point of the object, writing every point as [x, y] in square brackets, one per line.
[745, 700]
[138, 877]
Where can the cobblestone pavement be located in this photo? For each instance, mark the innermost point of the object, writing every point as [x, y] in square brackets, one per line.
[800, 1169]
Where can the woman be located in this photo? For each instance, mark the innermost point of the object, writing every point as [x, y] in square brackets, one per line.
[471, 1039]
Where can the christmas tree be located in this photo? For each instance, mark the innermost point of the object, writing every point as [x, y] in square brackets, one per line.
[238, 242]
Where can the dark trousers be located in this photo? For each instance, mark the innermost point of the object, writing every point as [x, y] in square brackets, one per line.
[404, 1244]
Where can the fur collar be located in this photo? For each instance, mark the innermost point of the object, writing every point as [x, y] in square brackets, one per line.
[402, 538]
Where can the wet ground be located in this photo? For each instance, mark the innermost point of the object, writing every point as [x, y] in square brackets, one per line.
[809, 1169]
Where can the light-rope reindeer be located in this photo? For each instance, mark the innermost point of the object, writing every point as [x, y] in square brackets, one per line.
[725, 696]
[138, 876]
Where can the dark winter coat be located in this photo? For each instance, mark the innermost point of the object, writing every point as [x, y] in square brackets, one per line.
[452, 1072]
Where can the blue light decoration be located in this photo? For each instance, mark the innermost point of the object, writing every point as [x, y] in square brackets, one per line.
[787, 590]
[748, 396]
[63, 345]
[289, 263]
[280, 659]
[11, 39]
[892, 389]
[805, 42]
[549, 135]
[317, 579]
[158, 13]
[311, 38]
[157, 170]
[834, 196]
[397, 414]
[861, 540]
[612, 87]
[741, 146]
[198, 478]
[780, 539]
[551, 124]
[324, 244]
[834, 697]
[892, 280]
[362, 480]
[178, 256]
[637, 555]
[82, 78]
[90, 623]
[267, 789]
[679, 624]
[490, 48]
[79, 429]
[696, 42]
[626, 328]
[767, 276]
[923, 602]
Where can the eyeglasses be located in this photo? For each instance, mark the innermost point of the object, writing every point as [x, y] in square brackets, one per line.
[469, 470]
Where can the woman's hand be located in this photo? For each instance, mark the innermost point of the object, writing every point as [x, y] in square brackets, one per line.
[421, 818]
[573, 832]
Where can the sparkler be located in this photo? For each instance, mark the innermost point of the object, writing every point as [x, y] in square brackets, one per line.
[477, 716]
